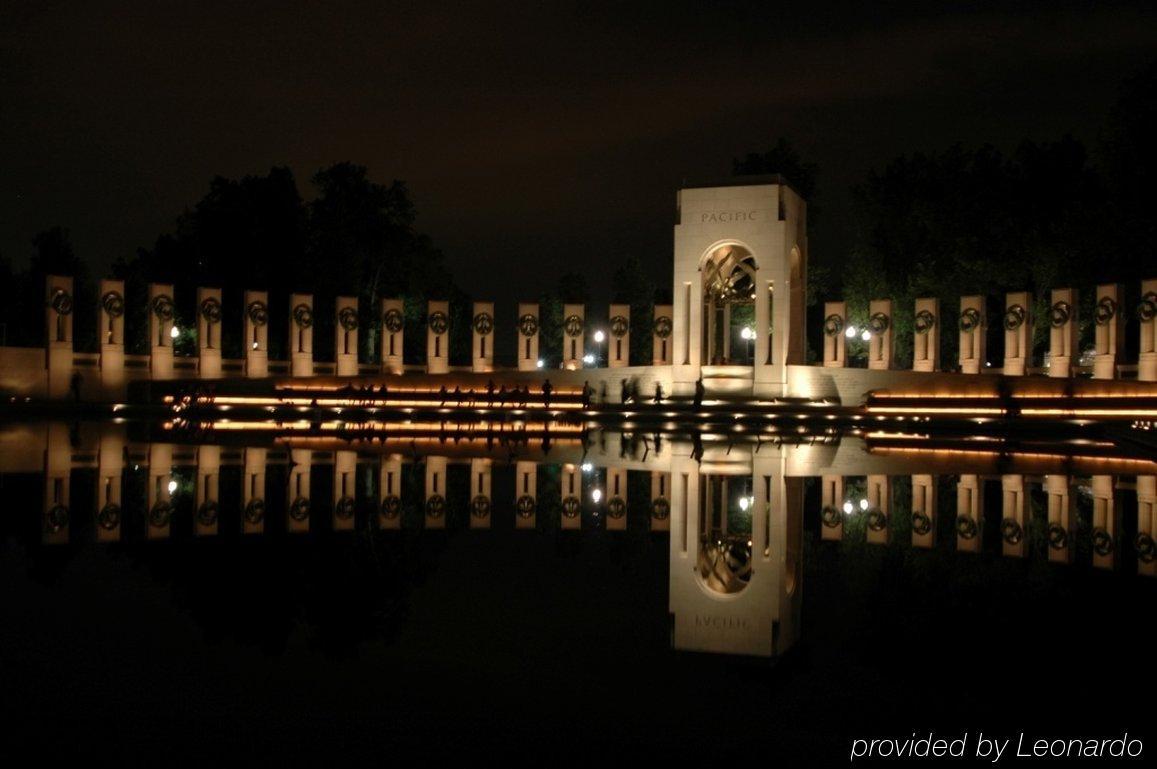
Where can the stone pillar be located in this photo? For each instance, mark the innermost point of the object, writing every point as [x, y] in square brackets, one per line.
[1105, 523]
[835, 339]
[973, 347]
[110, 326]
[619, 338]
[1017, 333]
[832, 505]
[256, 334]
[1109, 332]
[438, 338]
[1146, 525]
[390, 492]
[571, 490]
[879, 512]
[573, 335]
[926, 336]
[880, 324]
[253, 491]
[110, 467]
[345, 343]
[207, 494]
[660, 500]
[159, 499]
[924, 511]
[969, 513]
[527, 336]
[56, 516]
[661, 335]
[299, 497]
[480, 497]
[1147, 314]
[435, 498]
[1061, 517]
[393, 326]
[482, 356]
[616, 499]
[345, 483]
[58, 335]
[1015, 516]
[525, 495]
[209, 332]
[1064, 352]
[301, 335]
[161, 315]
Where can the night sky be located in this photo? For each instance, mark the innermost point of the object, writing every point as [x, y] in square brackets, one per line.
[535, 134]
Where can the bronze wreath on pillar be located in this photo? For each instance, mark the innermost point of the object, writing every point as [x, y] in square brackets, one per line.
[525, 506]
[925, 321]
[879, 323]
[833, 325]
[1146, 550]
[1147, 310]
[161, 514]
[616, 507]
[344, 508]
[258, 313]
[299, 510]
[1102, 541]
[207, 513]
[55, 518]
[877, 519]
[347, 318]
[210, 310]
[528, 325]
[303, 316]
[480, 506]
[61, 301]
[619, 326]
[439, 322]
[255, 511]
[1058, 537]
[1105, 310]
[162, 307]
[663, 327]
[393, 320]
[921, 523]
[391, 506]
[830, 516]
[113, 304]
[435, 506]
[1011, 531]
[483, 323]
[969, 320]
[1060, 313]
[571, 506]
[109, 516]
[966, 527]
[1014, 317]
[573, 325]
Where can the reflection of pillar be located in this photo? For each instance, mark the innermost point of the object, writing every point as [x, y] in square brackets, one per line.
[253, 492]
[158, 497]
[525, 495]
[527, 336]
[390, 492]
[480, 498]
[1147, 313]
[256, 334]
[835, 340]
[437, 338]
[573, 326]
[482, 355]
[161, 314]
[661, 335]
[209, 332]
[972, 335]
[111, 330]
[393, 326]
[969, 513]
[660, 500]
[345, 329]
[1109, 333]
[435, 499]
[923, 511]
[110, 467]
[880, 324]
[1014, 516]
[59, 305]
[1146, 524]
[727, 332]
[616, 499]
[619, 336]
[345, 476]
[1017, 333]
[1060, 506]
[57, 514]
[206, 496]
[832, 505]
[926, 339]
[879, 513]
[1104, 523]
[1063, 352]
[301, 334]
[300, 500]
[571, 490]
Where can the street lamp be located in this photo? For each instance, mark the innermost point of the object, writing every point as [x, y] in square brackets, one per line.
[850, 332]
[748, 333]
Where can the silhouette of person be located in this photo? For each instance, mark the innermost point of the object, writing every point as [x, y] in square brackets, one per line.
[700, 391]
[588, 391]
[547, 389]
[624, 391]
[444, 394]
[658, 392]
